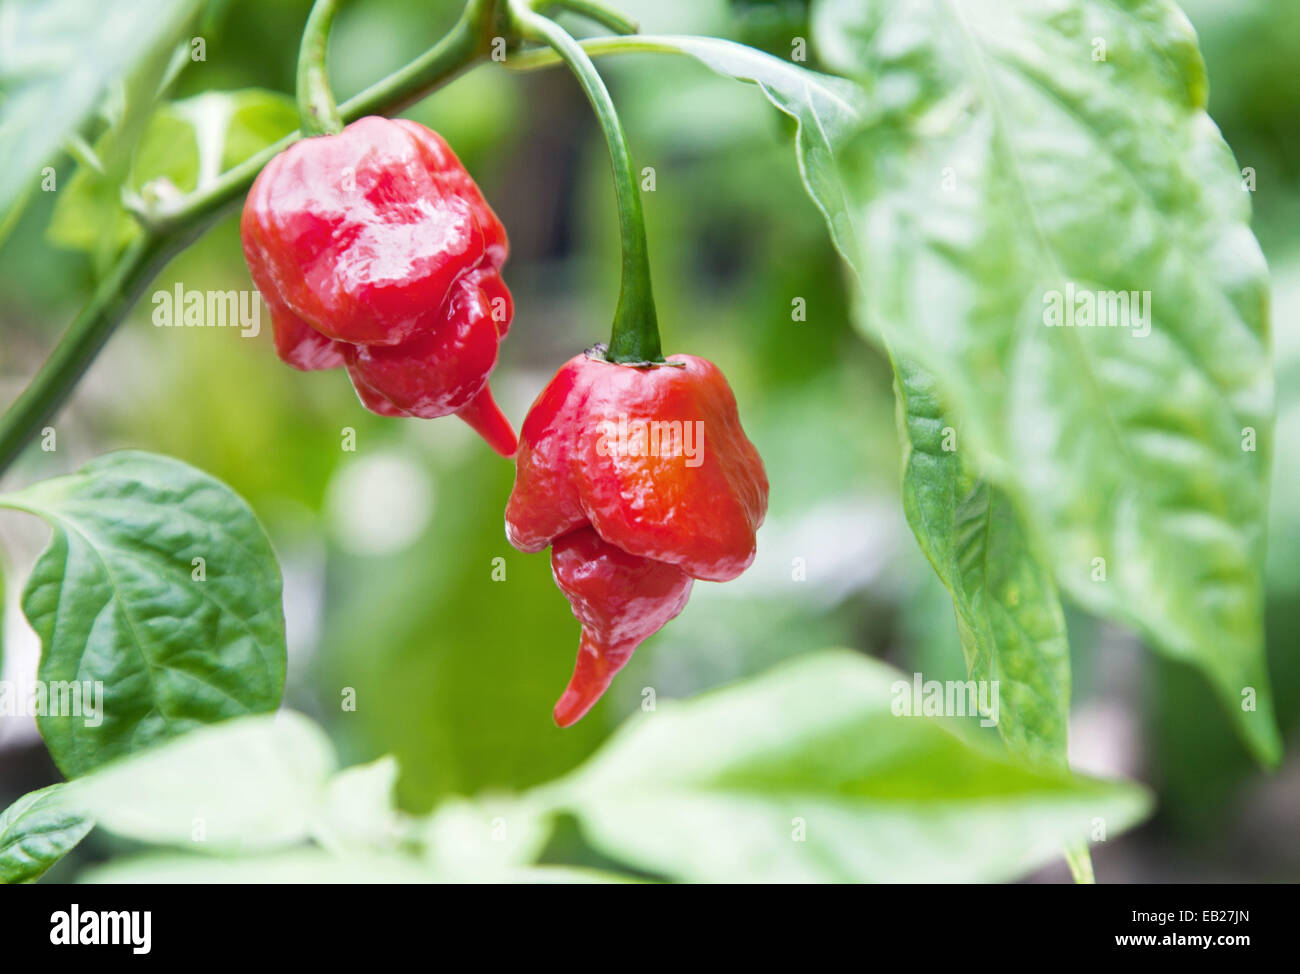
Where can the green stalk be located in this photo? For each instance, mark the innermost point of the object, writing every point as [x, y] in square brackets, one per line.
[595, 47]
[318, 113]
[616, 21]
[169, 230]
[84, 338]
[635, 336]
[1079, 860]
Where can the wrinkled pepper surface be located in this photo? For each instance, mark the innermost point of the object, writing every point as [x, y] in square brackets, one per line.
[641, 480]
[376, 252]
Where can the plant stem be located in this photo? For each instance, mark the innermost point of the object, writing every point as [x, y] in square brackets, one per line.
[318, 113]
[596, 47]
[615, 20]
[1079, 860]
[635, 336]
[170, 230]
[84, 338]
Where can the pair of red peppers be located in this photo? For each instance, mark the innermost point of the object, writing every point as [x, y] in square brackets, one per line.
[376, 252]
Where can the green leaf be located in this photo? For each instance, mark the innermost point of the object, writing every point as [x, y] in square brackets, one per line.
[186, 146]
[37, 831]
[1011, 161]
[359, 809]
[254, 783]
[88, 211]
[250, 793]
[305, 865]
[254, 118]
[806, 774]
[159, 584]
[313, 866]
[1009, 616]
[476, 840]
[190, 143]
[58, 59]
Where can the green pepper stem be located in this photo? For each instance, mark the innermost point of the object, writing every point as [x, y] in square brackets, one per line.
[635, 335]
[594, 10]
[84, 338]
[318, 113]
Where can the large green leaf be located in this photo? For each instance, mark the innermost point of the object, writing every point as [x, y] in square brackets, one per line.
[1012, 160]
[806, 774]
[58, 59]
[1009, 616]
[250, 784]
[159, 583]
[316, 866]
[36, 831]
[839, 788]
[258, 799]
[302, 865]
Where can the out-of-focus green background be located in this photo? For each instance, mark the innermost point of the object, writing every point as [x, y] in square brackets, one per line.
[388, 551]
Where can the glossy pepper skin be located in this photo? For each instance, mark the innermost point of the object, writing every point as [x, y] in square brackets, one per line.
[376, 252]
[641, 480]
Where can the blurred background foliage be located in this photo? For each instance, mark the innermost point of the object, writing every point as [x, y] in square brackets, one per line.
[389, 550]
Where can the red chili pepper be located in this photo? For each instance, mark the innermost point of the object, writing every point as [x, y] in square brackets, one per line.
[375, 251]
[642, 480]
